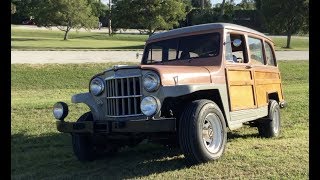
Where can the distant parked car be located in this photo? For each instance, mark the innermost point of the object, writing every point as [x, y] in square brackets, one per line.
[28, 22]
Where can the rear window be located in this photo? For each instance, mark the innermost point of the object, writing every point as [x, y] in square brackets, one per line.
[269, 54]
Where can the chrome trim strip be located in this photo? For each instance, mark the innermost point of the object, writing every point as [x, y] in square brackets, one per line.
[124, 115]
[121, 77]
[118, 97]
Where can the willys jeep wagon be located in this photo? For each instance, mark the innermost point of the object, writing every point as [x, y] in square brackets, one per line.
[193, 84]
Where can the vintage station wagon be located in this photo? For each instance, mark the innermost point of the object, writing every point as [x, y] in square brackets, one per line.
[193, 84]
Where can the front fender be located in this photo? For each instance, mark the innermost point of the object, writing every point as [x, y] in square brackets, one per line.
[88, 99]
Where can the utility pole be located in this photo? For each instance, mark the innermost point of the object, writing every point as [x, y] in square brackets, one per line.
[109, 24]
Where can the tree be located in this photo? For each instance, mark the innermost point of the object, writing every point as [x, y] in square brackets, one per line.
[199, 3]
[98, 8]
[65, 14]
[24, 10]
[13, 8]
[150, 15]
[286, 16]
[222, 8]
[246, 5]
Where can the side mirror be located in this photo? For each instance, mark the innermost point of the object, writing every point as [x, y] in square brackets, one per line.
[236, 42]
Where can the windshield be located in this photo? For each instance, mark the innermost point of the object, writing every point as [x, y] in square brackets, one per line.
[183, 48]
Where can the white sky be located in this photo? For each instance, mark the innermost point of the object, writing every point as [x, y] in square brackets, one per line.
[212, 1]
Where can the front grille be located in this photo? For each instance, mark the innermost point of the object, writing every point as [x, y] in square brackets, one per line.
[123, 96]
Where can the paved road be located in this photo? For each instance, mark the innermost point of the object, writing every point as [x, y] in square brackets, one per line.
[64, 57]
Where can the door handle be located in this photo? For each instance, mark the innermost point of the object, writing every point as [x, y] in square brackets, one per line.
[248, 67]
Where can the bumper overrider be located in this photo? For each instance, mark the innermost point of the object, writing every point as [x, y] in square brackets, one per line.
[283, 104]
[100, 124]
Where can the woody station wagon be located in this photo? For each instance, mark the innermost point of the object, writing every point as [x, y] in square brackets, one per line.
[193, 84]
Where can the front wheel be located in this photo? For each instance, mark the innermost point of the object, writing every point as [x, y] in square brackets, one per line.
[82, 144]
[202, 132]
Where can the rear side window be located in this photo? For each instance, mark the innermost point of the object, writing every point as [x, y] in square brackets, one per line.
[269, 54]
[256, 55]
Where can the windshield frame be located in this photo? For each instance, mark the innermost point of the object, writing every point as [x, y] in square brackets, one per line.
[216, 33]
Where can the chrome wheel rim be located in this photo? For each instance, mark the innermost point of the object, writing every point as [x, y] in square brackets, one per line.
[276, 121]
[212, 133]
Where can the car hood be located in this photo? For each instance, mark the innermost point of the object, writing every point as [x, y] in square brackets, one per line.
[180, 75]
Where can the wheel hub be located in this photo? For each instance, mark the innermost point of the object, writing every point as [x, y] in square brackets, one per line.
[212, 133]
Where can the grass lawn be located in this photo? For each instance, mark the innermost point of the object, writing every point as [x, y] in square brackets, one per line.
[28, 39]
[297, 44]
[39, 151]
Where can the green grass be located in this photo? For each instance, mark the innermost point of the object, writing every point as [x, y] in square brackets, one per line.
[297, 44]
[39, 151]
[26, 39]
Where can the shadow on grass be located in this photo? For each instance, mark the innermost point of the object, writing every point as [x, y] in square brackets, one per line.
[51, 156]
[234, 135]
[28, 39]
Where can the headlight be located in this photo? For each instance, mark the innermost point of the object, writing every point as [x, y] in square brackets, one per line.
[96, 86]
[60, 110]
[151, 81]
[149, 106]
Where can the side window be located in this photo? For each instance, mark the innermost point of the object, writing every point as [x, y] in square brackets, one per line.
[235, 54]
[255, 47]
[269, 55]
[155, 54]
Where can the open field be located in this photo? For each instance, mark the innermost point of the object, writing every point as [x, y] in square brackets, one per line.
[34, 39]
[53, 40]
[297, 44]
[38, 151]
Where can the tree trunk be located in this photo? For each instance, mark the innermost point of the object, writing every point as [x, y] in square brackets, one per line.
[66, 34]
[222, 10]
[202, 4]
[109, 24]
[150, 32]
[288, 40]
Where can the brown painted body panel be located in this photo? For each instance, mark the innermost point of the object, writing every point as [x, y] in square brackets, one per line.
[180, 75]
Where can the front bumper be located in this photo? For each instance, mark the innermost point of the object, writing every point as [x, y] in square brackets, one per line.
[142, 126]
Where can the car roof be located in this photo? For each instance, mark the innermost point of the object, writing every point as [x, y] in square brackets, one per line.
[204, 27]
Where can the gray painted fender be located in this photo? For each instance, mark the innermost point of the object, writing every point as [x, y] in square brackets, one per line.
[162, 93]
[87, 99]
[180, 90]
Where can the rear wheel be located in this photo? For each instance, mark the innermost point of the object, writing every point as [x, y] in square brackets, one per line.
[270, 126]
[202, 132]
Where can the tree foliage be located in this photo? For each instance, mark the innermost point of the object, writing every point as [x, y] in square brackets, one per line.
[13, 8]
[24, 10]
[246, 5]
[198, 3]
[286, 16]
[65, 14]
[145, 14]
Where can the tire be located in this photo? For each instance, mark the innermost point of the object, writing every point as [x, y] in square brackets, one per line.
[270, 126]
[82, 144]
[202, 132]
